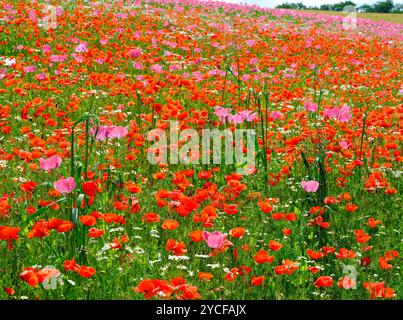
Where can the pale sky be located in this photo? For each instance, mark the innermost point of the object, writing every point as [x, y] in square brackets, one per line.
[317, 3]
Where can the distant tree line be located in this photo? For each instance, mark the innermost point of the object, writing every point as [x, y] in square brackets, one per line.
[386, 6]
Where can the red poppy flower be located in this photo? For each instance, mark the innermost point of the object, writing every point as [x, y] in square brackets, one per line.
[323, 281]
[88, 221]
[262, 256]
[258, 281]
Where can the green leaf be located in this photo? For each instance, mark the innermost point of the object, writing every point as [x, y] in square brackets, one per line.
[39, 212]
[79, 200]
[306, 163]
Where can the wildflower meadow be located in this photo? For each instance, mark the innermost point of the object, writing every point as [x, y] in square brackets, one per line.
[186, 149]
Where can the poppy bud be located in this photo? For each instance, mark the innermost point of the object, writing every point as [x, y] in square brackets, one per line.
[365, 261]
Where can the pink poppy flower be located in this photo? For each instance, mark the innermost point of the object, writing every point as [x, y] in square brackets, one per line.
[29, 69]
[311, 106]
[105, 132]
[248, 115]
[344, 114]
[46, 48]
[214, 239]
[245, 77]
[82, 47]
[135, 53]
[310, 186]
[137, 65]
[250, 42]
[343, 144]
[341, 114]
[65, 185]
[222, 113]
[235, 119]
[276, 115]
[117, 132]
[100, 132]
[50, 163]
[32, 16]
[41, 76]
[77, 57]
[57, 58]
[253, 61]
[2, 73]
[331, 113]
[156, 68]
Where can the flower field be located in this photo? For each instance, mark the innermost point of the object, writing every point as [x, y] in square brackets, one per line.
[92, 206]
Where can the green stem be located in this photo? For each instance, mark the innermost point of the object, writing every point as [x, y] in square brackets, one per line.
[87, 125]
